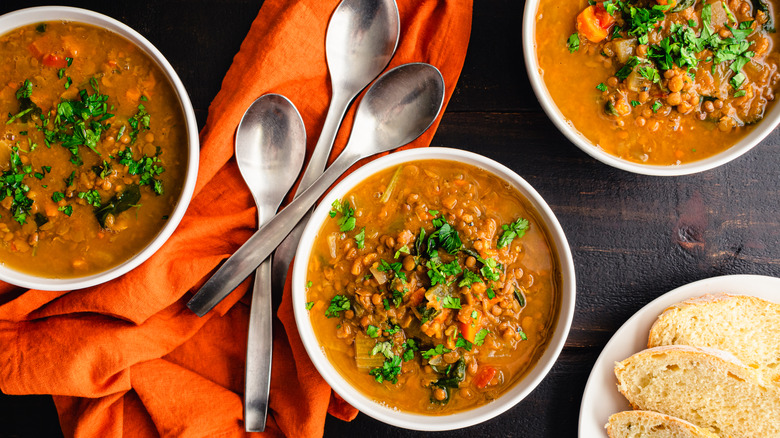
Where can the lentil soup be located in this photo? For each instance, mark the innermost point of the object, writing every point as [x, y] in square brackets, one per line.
[433, 287]
[93, 153]
[660, 82]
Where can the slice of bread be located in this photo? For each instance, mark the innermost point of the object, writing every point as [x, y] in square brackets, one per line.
[709, 388]
[649, 424]
[745, 326]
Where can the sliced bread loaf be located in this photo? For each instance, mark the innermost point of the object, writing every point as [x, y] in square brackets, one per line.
[709, 388]
[649, 424]
[748, 327]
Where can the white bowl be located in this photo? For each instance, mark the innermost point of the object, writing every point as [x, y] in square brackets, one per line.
[764, 127]
[23, 17]
[459, 419]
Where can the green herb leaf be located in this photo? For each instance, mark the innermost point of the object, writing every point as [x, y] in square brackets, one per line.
[469, 278]
[436, 351]
[309, 305]
[601, 87]
[479, 338]
[513, 230]
[337, 304]
[360, 238]
[451, 303]
[347, 220]
[573, 43]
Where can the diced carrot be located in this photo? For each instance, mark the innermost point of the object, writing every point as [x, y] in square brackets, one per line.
[416, 297]
[484, 376]
[471, 326]
[594, 23]
[133, 94]
[55, 61]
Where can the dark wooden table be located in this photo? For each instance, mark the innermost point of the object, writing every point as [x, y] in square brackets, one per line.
[633, 237]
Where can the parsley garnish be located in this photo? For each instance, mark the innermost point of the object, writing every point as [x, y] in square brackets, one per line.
[469, 278]
[148, 167]
[601, 87]
[656, 106]
[373, 331]
[309, 305]
[515, 229]
[451, 303]
[68, 210]
[337, 304]
[439, 349]
[360, 238]
[479, 339]
[438, 272]
[13, 186]
[394, 267]
[573, 42]
[390, 368]
[347, 220]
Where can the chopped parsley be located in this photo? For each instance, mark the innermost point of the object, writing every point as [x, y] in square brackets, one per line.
[337, 304]
[573, 43]
[373, 331]
[392, 267]
[391, 366]
[469, 278]
[436, 351]
[479, 338]
[347, 220]
[13, 186]
[360, 238]
[438, 271]
[514, 230]
[601, 87]
[148, 167]
[656, 106]
[450, 303]
[309, 305]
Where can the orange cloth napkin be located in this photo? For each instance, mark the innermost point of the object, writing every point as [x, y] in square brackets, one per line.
[128, 358]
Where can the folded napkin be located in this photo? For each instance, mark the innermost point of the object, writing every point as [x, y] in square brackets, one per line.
[128, 358]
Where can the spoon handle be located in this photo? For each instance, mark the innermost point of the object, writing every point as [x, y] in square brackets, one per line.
[249, 256]
[319, 159]
[257, 380]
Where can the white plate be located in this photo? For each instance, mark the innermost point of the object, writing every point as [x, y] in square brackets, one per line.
[601, 397]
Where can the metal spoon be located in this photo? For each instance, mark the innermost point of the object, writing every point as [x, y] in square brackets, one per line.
[270, 147]
[362, 37]
[398, 108]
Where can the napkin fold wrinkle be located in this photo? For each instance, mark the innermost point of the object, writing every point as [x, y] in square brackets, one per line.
[127, 358]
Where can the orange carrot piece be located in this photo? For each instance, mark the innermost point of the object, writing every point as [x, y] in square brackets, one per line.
[470, 328]
[484, 376]
[594, 23]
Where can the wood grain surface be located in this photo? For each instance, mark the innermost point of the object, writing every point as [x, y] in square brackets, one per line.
[633, 237]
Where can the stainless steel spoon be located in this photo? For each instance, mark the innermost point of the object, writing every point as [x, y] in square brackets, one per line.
[270, 147]
[362, 37]
[398, 108]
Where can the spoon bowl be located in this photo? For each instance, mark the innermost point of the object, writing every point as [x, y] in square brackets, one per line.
[268, 149]
[400, 106]
[362, 37]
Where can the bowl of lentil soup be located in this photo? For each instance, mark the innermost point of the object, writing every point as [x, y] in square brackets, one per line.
[658, 87]
[99, 153]
[435, 289]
